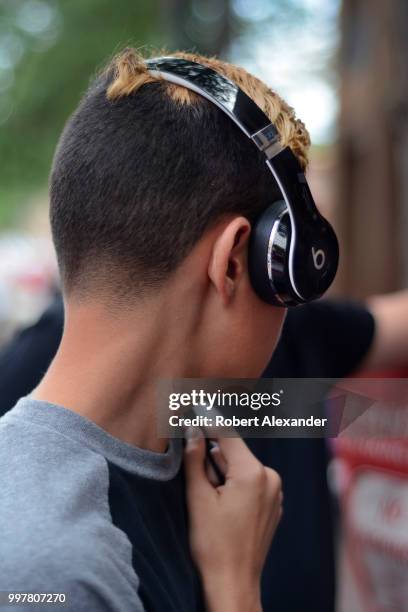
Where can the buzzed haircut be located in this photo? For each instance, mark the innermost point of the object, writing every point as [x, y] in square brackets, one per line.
[143, 168]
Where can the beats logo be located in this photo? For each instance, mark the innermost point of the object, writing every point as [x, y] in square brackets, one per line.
[319, 258]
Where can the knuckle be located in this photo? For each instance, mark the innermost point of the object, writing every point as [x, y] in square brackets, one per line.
[254, 475]
[193, 448]
[259, 475]
[274, 479]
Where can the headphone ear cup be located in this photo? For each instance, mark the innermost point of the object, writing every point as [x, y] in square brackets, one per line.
[268, 256]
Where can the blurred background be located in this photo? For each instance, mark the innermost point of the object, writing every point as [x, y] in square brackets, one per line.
[341, 63]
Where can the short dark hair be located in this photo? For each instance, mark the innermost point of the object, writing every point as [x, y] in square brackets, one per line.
[138, 179]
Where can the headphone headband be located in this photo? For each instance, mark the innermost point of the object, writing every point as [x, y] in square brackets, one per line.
[225, 94]
[313, 248]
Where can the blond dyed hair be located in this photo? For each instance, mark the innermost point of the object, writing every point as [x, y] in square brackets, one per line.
[130, 73]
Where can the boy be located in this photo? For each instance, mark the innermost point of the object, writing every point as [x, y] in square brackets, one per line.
[153, 191]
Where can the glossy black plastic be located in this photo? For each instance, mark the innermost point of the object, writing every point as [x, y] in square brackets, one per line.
[223, 92]
[315, 250]
[268, 256]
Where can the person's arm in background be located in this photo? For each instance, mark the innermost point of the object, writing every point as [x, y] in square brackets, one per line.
[336, 338]
[389, 348]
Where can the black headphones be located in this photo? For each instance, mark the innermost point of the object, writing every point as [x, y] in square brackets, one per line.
[293, 250]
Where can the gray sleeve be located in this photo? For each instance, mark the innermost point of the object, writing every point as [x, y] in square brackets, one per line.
[56, 531]
[104, 589]
[92, 593]
[92, 580]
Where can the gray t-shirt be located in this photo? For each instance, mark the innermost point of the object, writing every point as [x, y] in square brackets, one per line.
[58, 494]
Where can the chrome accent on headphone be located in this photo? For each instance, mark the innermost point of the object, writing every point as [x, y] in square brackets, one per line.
[268, 141]
[272, 246]
[293, 225]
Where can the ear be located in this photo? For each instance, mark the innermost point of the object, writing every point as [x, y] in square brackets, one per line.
[228, 259]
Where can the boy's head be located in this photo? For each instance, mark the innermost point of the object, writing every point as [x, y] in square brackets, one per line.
[152, 185]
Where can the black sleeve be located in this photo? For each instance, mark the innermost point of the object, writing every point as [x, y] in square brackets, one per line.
[324, 339]
[25, 360]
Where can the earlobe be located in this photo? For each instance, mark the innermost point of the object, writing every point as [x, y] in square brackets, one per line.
[229, 258]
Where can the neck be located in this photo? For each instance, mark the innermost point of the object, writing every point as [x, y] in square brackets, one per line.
[107, 368]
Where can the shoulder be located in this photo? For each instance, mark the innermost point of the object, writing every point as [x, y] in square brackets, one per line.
[41, 468]
[56, 529]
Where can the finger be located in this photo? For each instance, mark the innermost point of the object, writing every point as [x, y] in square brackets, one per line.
[219, 459]
[274, 484]
[279, 516]
[275, 517]
[275, 481]
[218, 464]
[194, 462]
[211, 475]
[239, 459]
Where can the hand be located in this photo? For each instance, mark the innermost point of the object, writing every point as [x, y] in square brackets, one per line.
[232, 525]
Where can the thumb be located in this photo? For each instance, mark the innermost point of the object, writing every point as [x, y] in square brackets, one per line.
[194, 461]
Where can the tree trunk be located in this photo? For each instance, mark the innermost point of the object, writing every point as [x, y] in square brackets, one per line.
[373, 146]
